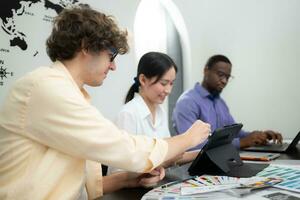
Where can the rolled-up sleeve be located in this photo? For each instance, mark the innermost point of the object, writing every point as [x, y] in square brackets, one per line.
[57, 115]
[93, 179]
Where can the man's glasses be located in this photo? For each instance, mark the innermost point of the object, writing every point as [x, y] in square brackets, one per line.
[223, 75]
[114, 53]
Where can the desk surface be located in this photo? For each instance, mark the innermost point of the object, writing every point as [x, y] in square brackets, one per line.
[137, 193]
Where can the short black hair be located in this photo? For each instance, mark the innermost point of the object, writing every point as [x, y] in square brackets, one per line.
[216, 58]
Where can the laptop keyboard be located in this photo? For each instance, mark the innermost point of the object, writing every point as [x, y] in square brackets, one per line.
[272, 146]
[275, 144]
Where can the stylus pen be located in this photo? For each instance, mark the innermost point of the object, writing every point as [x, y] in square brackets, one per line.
[175, 182]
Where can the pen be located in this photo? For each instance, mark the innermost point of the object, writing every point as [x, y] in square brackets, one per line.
[255, 158]
[170, 184]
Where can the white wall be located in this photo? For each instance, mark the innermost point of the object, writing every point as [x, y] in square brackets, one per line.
[261, 37]
[110, 96]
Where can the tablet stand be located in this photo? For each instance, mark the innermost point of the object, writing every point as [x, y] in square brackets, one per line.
[224, 160]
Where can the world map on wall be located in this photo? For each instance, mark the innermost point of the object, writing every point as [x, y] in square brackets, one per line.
[24, 30]
[10, 10]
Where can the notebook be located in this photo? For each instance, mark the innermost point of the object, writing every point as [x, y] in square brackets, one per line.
[281, 148]
[258, 156]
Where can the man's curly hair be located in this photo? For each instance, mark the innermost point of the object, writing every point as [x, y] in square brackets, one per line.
[80, 28]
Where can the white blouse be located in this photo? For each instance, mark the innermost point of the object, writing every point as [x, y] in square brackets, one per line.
[135, 117]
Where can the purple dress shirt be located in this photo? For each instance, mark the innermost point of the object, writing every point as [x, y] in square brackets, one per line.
[198, 103]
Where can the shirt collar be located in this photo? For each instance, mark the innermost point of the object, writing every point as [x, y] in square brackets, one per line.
[204, 93]
[145, 111]
[61, 67]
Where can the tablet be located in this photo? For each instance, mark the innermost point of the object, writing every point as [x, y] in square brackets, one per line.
[223, 136]
[217, 152]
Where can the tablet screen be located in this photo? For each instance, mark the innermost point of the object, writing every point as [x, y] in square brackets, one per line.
[223, 136]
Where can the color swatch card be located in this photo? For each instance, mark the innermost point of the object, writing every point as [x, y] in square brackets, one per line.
[209, 187]
[218, 183]
[289, 174]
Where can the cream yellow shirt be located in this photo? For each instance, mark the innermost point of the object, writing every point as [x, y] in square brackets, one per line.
[50, 138]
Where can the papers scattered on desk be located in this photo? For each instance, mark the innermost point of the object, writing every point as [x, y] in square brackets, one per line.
[217, 183]
[209, 187]
[281, 195]
[205, 189]
[289, 174]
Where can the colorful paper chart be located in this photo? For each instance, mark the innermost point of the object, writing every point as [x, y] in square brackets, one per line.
[206, 187]
[290, 176]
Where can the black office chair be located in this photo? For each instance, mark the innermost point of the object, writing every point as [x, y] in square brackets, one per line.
[104, 170]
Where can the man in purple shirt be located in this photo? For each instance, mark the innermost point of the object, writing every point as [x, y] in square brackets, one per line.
[204, 102]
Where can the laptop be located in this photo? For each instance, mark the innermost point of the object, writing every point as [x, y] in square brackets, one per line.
[271, 147]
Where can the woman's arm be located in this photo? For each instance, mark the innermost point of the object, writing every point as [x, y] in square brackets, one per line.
[119, 180]
[181, 159]
[187, 157]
